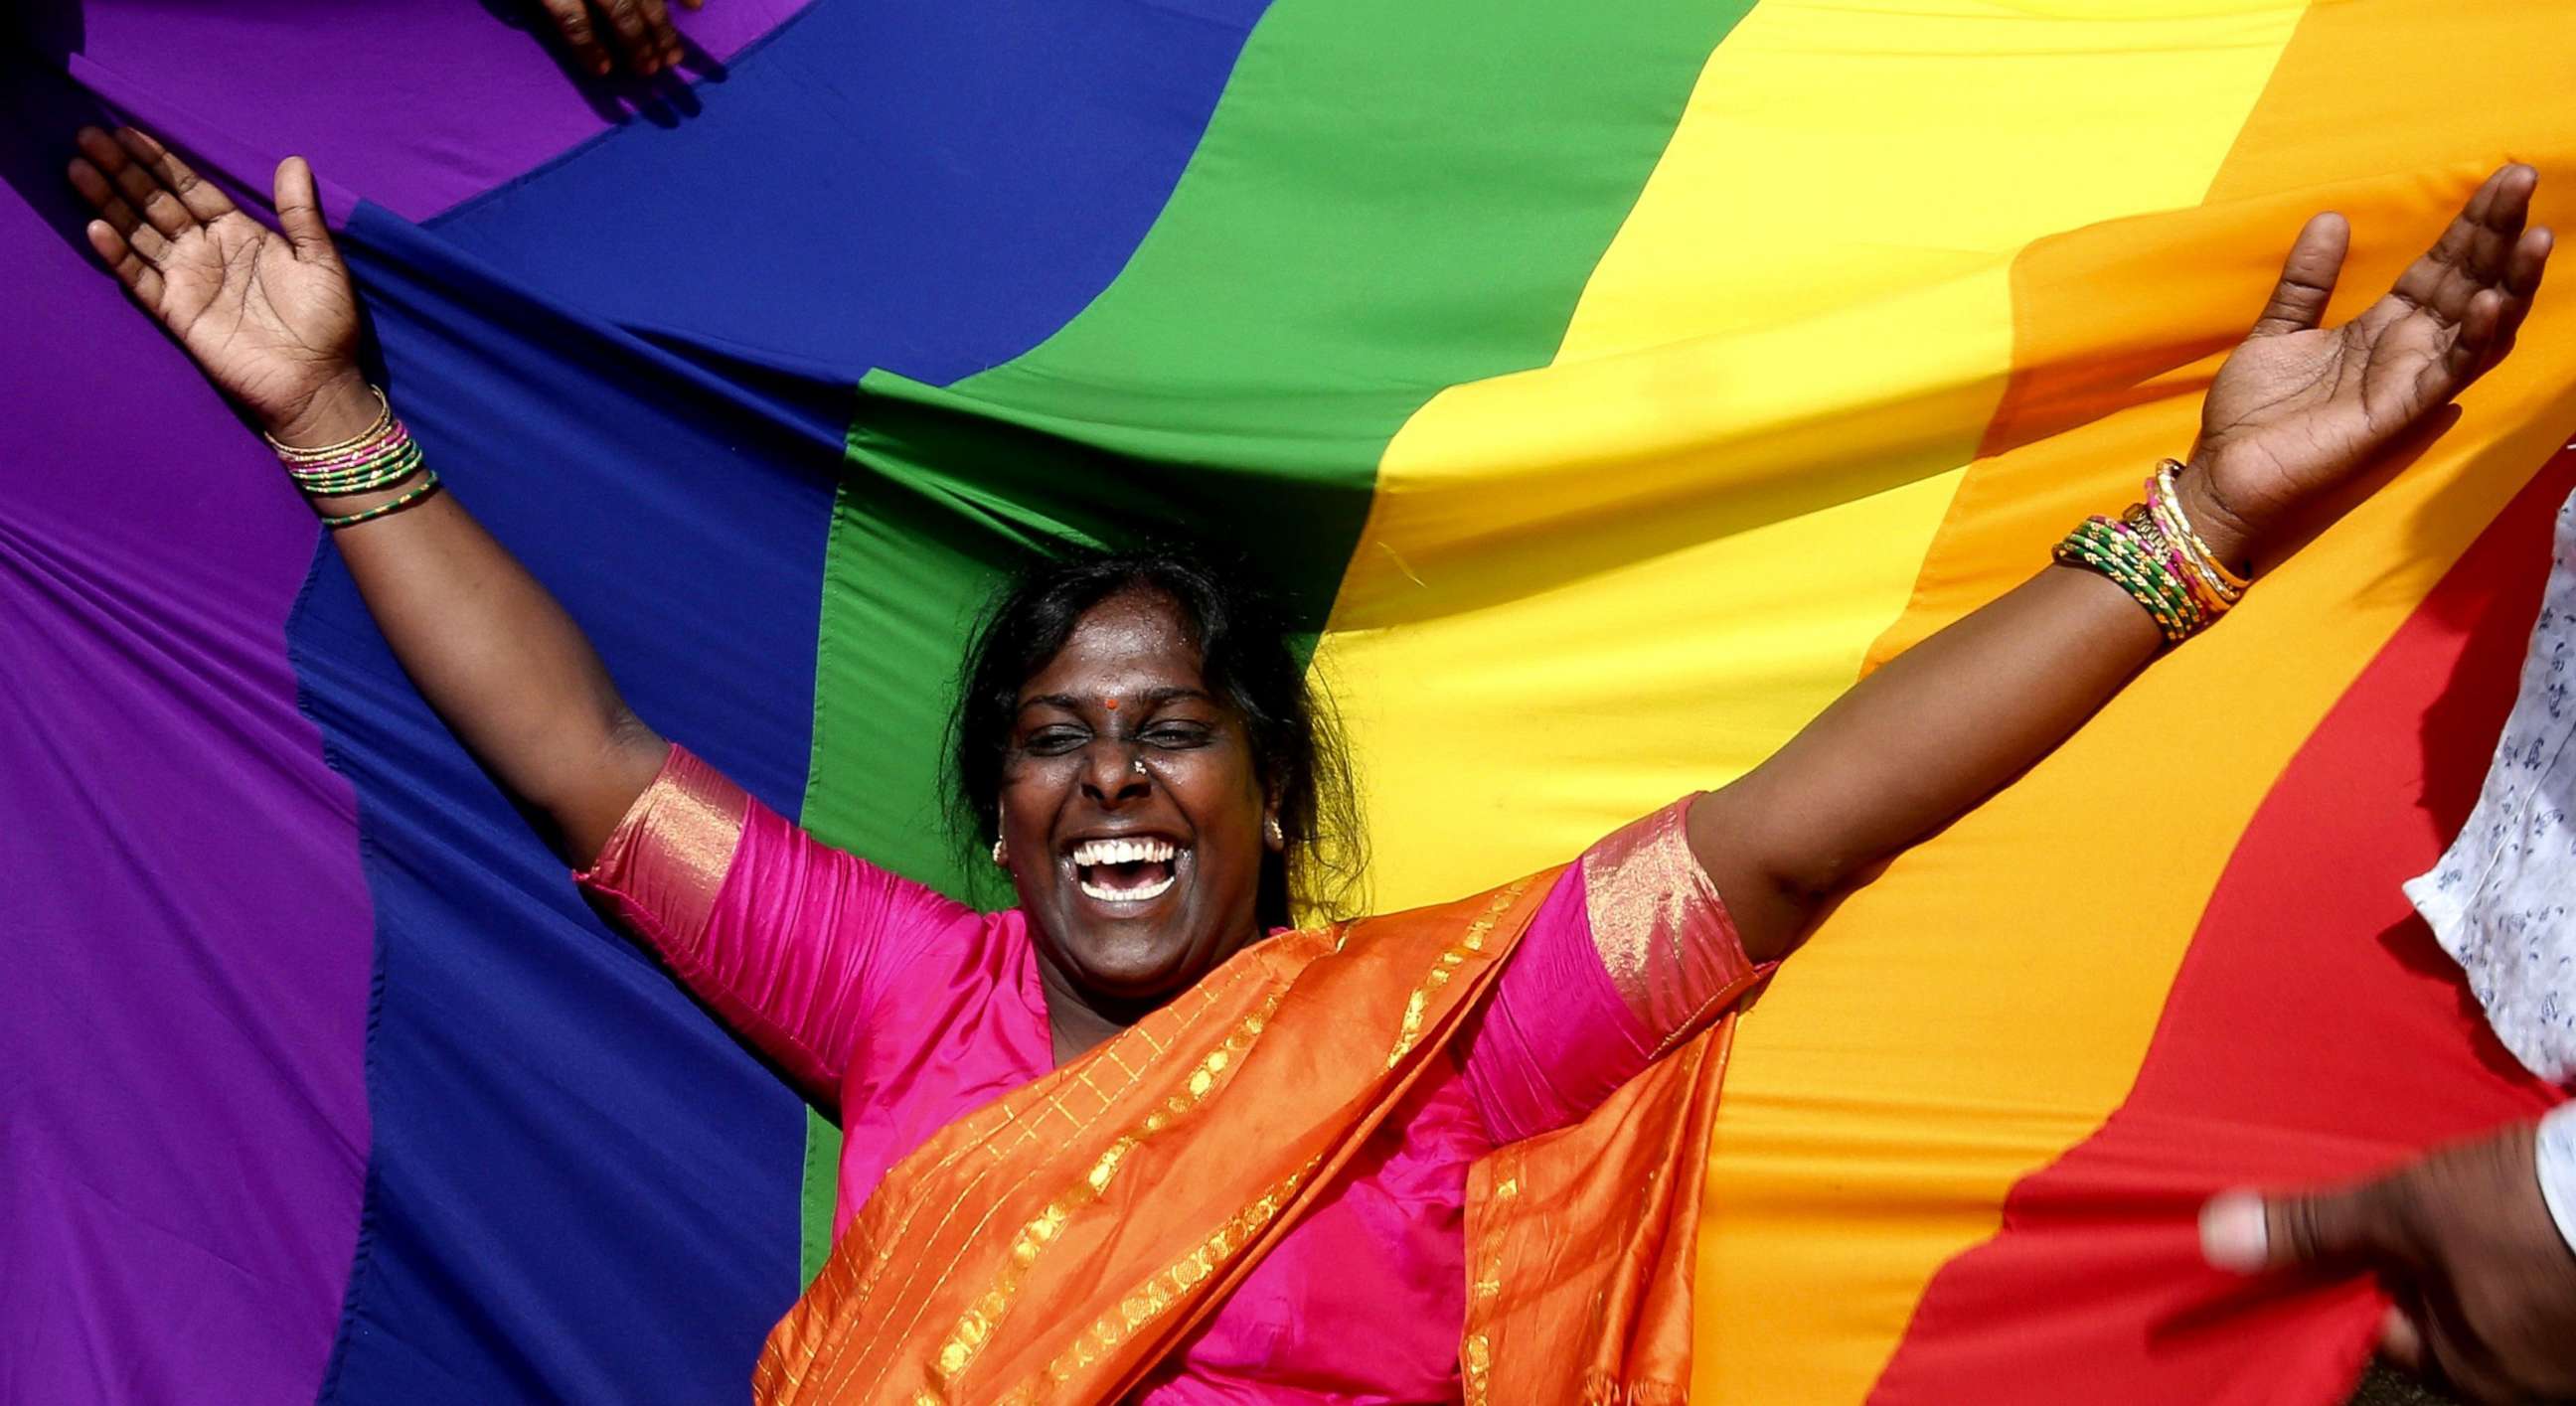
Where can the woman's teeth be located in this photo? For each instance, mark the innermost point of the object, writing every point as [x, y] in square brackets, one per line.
[1123, 851]
[1125, 871]
[1105, 894]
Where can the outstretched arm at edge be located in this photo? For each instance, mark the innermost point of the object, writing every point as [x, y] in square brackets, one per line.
[2297, 412]
[273, 320]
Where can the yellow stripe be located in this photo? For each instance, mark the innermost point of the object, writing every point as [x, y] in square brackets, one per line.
[1586, 588]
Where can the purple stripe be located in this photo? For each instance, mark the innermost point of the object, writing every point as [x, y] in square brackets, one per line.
[370, 90]
[183, 1121]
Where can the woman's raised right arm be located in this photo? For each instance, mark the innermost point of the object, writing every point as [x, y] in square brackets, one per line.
[274, 323]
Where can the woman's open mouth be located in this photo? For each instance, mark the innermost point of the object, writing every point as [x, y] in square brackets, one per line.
[1133, 869]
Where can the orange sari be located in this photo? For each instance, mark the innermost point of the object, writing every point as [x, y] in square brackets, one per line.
[1058, 1243]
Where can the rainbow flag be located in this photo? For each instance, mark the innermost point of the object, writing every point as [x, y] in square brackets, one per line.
[1609, 385]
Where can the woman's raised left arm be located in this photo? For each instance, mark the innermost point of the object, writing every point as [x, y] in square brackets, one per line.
[2294, 415]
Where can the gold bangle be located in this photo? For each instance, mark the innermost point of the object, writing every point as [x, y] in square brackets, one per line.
[412, 498]
[2204, 573]
[2162, 543]
[2220, 570]
[297, 454]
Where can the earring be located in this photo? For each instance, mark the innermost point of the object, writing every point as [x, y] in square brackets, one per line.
[1001, 852]
[1278, 838]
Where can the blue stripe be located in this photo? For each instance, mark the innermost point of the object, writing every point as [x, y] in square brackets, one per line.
[581, 1188]
[918, 185]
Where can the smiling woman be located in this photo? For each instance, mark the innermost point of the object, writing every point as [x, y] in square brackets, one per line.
[1136, 732]
[1139, 740]
[1135, 1137]
[1141, 833]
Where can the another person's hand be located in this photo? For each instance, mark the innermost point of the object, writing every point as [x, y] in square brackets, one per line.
[639, 32]
[2486, 1285]
[2299, 408]
[272, 318]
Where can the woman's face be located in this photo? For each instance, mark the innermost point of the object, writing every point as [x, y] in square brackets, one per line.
[1132, 809]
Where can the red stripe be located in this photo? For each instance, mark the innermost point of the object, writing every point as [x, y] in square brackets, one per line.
[2314, 1031]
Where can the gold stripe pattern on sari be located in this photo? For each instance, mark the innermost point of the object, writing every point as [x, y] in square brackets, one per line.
[1470, 943]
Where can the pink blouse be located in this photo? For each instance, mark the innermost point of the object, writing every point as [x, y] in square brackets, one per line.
[903, 1010]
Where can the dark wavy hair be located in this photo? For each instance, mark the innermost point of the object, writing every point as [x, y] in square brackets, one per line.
[1246, 659]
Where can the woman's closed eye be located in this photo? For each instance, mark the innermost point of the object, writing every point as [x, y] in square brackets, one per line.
[1055, 741]
[1177, 736]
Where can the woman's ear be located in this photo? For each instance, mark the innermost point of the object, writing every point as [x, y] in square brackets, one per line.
[1271, 834]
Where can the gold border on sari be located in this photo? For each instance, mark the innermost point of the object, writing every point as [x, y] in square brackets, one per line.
[918, 1304]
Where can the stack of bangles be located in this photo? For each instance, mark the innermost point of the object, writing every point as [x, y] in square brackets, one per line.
[2152, 553]
[384, 456]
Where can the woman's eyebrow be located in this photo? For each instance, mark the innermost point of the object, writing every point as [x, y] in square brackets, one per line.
[1151, 698]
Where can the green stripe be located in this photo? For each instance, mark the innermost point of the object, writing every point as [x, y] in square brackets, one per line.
[1390, 199]
[816, 1193]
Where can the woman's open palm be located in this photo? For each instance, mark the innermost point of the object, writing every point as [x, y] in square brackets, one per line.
[271, 317]
[2299, 407]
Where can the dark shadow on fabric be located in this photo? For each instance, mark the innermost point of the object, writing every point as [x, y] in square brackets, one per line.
[43, 108]
[1027, 489]
[811, 398]
[2471, 487]
[2225, 1311]
[2047, 402]
[2460, 729]
[2410, 942]
[778, 413]
[2380, 1386]
[663, 99]
[53, 29]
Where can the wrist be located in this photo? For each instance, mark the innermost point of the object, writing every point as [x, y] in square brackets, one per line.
[340, 408]
[2218, 523]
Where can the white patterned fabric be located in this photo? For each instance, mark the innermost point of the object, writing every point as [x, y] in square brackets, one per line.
[2500, 901]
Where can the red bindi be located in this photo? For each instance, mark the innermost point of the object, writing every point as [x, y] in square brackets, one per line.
[1111, 703]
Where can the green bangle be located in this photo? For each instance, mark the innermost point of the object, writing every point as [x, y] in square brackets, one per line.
[2085, 549]
[363, 478]
[412, 499]
[2157, 575]
[372, 484]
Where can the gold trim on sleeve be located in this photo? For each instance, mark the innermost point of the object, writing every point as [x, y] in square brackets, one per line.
[1661, 929]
